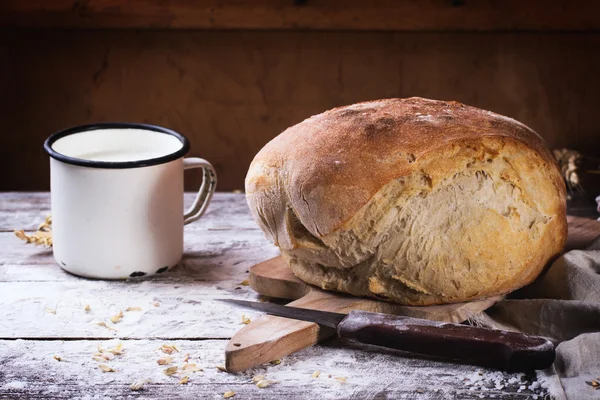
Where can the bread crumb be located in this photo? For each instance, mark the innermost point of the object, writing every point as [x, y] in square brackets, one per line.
[316, 374]
[50, 310]
[134, 308]
[184, 380]
[156, 304]
[341, 379]
[244, 283]
[245, 320]
[58, 358]
[257, 378]
[186, 358]
[229, 394]
[87, 308]
[170, 371]
[276, 362]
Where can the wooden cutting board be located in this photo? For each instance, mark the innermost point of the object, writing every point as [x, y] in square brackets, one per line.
[268, 338]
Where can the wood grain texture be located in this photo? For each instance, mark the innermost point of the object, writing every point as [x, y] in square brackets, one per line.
[188, 318]
[39, 310]
[227, 211]
[28, 370]
[582, 232]
[232, 91]
[273, 337]
[313, 14]
[274, 278]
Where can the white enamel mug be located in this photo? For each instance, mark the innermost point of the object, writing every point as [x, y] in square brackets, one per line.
[117, 198]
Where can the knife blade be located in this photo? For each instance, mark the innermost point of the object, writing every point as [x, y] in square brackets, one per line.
[506, 350]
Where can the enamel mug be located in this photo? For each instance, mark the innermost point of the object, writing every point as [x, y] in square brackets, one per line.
[117, 198]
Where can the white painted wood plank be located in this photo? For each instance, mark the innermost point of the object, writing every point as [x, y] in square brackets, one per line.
[208, 255]
[219, 249]
[56, 309]
[28, 370]
[23, 210]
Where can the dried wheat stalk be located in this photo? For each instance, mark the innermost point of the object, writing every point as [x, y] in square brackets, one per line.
[43, 236]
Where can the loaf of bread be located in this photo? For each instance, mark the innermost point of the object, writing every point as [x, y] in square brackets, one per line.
[413, 201]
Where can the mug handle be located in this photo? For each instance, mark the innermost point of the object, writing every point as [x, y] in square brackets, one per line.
[206, 191]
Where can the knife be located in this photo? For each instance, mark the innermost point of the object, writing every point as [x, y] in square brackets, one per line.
[511, 351]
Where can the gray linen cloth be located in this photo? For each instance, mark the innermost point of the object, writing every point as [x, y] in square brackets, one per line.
[563, 304]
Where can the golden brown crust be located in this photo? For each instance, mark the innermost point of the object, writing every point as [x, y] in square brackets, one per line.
[321, 175]
[329, 157]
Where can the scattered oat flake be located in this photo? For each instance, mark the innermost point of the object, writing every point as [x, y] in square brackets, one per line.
[184, 380]
[257, 378]
[191, 368]
[316, 374]
[58, 358]
[138, 385]
[105, 368]
[221, 368]
[244, 283]
[50, 310]
[186, 358]
[164, 361]
[156, 304]
[98, 358]
[276, 362]
[116, 318]
[87, 308]
[134, 308]
[170, 371]
[264, 383]
[117, 350]
[341, 379]
[229, 394]
[168, 349]
[102, 323]
[245, 320]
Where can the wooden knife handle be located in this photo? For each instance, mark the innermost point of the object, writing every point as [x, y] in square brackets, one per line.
[479, 346]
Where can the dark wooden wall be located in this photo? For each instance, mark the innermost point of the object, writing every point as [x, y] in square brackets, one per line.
[230, 91]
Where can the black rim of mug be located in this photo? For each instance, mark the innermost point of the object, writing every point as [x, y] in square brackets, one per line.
[115, 164]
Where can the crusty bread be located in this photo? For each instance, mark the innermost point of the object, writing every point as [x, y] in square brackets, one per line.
[414, 201]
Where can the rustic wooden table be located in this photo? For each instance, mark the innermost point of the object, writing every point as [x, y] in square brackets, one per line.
[48, 339]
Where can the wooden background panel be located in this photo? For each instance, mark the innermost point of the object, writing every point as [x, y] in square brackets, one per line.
[232, 91]
[490, 15]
